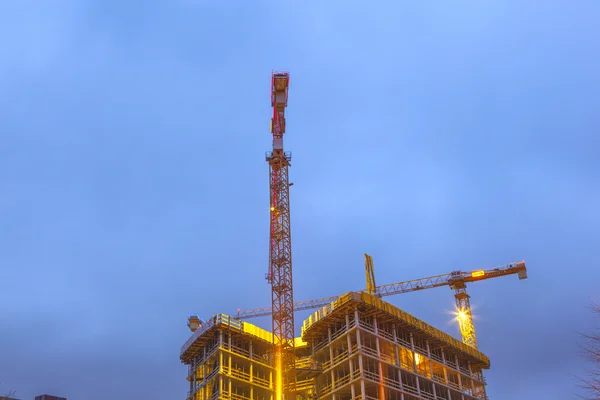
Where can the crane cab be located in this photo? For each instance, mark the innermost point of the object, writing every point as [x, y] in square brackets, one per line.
[279, 90]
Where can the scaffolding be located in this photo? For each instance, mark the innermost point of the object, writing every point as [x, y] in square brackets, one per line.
[356, 348]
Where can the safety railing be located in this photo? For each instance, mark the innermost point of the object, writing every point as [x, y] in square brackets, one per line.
[338, 333]
[339, 382]
[403, 343]
[427, 395]
[366, 326]
[371, 376]
[392, 383]
[238, 350]
[321, 344]
[340, 358]
[304, 384]
[410, 389]
[388, 358]
[261, 382]
[464, 370]
[303, 363]
[438, 378]
[421, 351]
[453, 385]
[369, 351]
[234, 396]
[437, 358]
[389, 336]
[326, 389]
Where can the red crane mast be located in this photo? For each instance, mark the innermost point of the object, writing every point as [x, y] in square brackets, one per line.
[280, 251]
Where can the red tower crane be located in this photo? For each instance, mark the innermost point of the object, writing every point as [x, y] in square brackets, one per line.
[280, 251]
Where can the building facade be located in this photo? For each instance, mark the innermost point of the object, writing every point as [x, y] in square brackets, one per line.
[359, 347]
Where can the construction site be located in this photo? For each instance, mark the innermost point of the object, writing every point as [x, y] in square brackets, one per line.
[355, 346]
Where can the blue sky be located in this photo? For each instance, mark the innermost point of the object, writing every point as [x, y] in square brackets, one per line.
[433, 135]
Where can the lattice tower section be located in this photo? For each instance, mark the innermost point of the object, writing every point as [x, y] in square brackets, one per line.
[280, 254]
[465, 322]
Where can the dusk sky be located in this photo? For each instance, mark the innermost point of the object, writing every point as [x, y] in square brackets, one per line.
[433, 135]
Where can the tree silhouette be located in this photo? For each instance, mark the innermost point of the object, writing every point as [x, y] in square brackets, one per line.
[591, 351]
[10, 395]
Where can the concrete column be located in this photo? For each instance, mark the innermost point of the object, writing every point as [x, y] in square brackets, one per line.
[443, 360]
[229, 355]
[414, 357]
[472, 381]
[352, 391]
[229, 368]
[350, 361]
[459, 378]
[397, 354]
[400, 379]
[379, 363]
[363, 392]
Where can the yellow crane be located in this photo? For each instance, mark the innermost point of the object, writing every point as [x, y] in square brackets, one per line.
[456, 280]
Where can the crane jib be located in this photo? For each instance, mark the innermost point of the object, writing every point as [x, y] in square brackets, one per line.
[518, 268]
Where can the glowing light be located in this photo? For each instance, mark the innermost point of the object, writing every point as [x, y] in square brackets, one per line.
[417, 358]
[272, 208]
[478, 273]
[278, 376]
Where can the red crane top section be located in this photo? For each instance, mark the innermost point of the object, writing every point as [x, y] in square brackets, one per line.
[279, 95]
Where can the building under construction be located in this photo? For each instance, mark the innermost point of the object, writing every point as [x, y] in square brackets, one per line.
[359, 347]
[356, 346]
